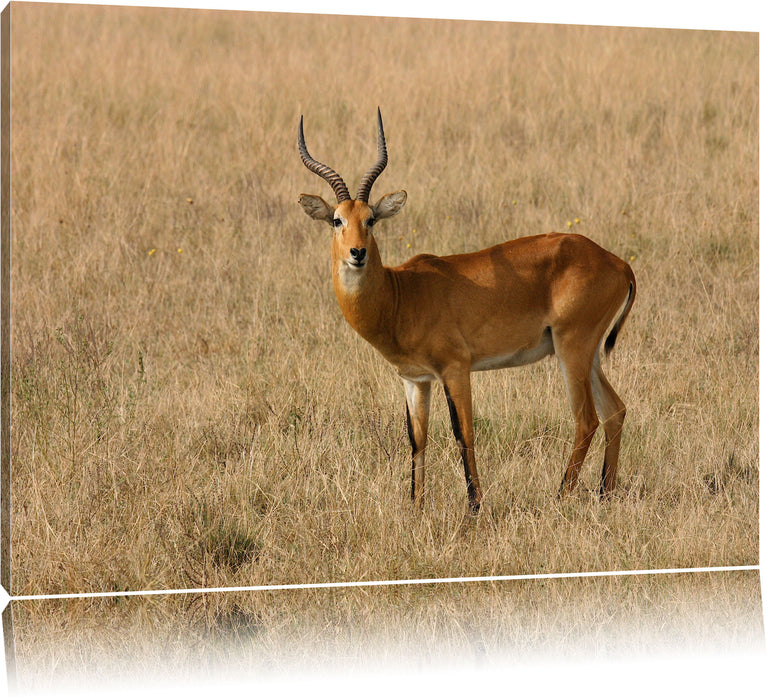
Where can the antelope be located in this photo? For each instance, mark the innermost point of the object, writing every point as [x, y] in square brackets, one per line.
[442, 318]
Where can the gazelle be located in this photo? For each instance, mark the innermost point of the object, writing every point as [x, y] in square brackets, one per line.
[445, 317]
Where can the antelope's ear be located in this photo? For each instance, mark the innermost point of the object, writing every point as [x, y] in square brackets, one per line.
[389, 204]
[317, 208]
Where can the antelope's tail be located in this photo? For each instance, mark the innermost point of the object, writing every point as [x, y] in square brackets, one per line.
[618, 324]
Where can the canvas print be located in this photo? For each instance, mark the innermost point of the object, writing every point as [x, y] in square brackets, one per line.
[404, 378]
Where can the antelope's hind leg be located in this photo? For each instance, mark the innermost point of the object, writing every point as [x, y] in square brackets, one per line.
[577, 371]
[418, 395]
[611, 409]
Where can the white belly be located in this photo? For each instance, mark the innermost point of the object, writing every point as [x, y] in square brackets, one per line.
[525, 356]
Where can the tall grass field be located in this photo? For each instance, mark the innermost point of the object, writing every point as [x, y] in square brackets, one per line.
[189, 407]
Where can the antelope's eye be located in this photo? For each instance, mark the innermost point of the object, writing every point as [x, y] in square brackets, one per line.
[370, 221]
[337, 222]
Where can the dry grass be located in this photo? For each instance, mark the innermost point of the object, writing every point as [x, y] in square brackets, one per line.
[189, 406]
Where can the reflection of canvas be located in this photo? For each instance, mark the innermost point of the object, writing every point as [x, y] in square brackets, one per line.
[190, 410]
[287, 634]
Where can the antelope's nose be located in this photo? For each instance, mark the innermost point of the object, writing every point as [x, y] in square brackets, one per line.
[358, 254]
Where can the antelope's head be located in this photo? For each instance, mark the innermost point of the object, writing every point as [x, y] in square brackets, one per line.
[353, 249]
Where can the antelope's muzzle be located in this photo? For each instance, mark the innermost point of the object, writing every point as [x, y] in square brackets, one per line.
[357, 257]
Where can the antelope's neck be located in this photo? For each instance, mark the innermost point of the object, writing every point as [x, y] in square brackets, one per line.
[367, 300]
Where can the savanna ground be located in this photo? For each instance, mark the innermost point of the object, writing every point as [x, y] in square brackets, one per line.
[190, 409]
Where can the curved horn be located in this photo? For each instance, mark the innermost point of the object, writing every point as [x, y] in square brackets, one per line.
[324, 171]
[371, 175]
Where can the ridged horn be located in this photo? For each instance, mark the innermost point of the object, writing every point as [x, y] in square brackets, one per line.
[371, 175]
[324, 171]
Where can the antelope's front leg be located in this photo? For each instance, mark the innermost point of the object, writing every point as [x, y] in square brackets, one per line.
[459, 400]
[418, 395]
